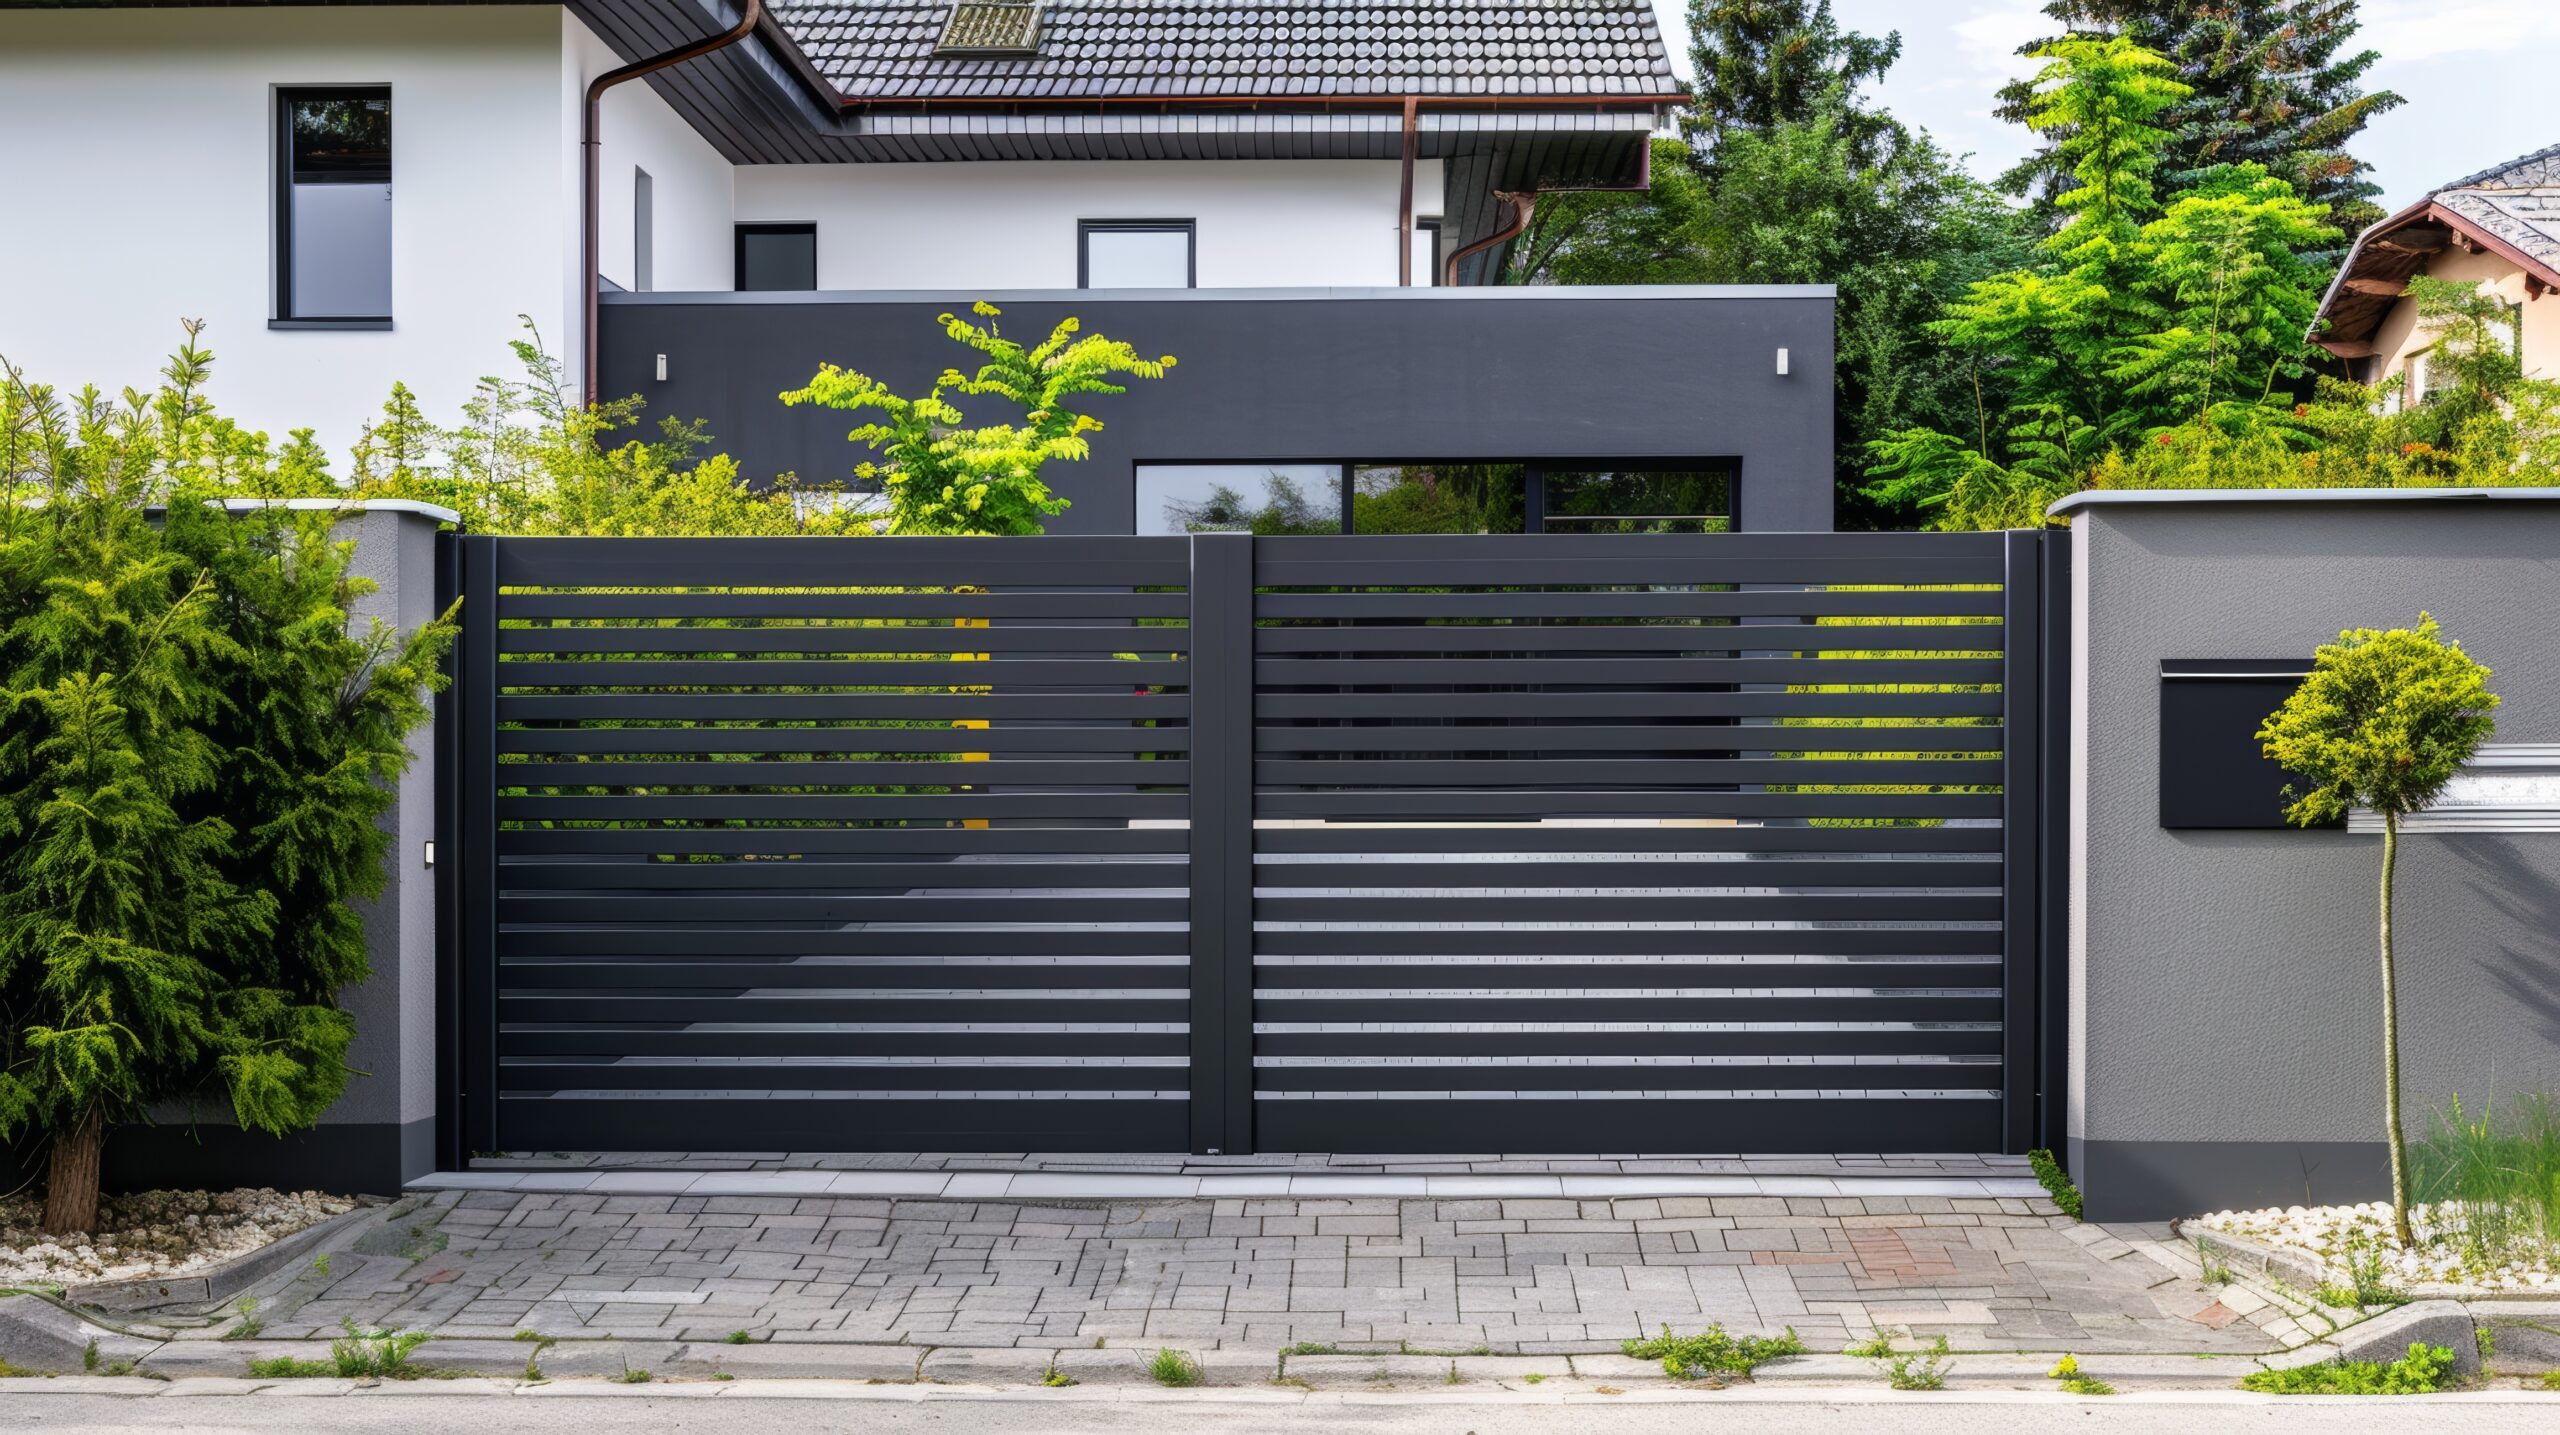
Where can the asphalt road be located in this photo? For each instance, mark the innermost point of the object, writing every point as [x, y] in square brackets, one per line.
[1946, 1414]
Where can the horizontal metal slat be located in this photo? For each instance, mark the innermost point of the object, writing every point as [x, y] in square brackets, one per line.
[1067, 905]
[805, 639]
[1620, 706]
[1635, 567]
[802, 1007]
[1556, 772]
[1667, 672]
[1617, 838]
[810, 807]
[658, 603]
[964, 703]
[773, 1042]
[627, 876]
[1509, 638]
[1853, 552]
[817, 841]
[1915, 1041]
[523, 977]
[1004, 740]
[1543, 870]
[1634, 603]
[1642, 941]
[1900, 1006]
[769, 772]
[1413, 805]
[1485, 906]
[1081, 561]
[1685, 737]
[523, 1075]
[709, 940]
[1603, 1077]
[846, 673]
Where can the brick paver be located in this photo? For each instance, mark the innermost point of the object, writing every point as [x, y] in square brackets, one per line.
[1509, 1276]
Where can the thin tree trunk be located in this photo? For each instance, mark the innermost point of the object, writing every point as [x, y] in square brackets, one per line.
[71, 1182]
[2391, 1042]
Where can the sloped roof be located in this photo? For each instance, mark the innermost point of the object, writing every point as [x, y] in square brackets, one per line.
[882, 50]
[2511, 208]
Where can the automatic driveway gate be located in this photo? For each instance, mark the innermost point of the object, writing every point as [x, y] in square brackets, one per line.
[1531, 844]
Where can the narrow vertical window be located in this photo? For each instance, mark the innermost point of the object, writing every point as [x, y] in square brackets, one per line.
[644, 236]
[777, 256]
[333, 206]
[1426, 252]
[1136, 254]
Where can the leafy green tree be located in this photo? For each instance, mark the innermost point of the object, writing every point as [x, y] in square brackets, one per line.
[1764, 63]
[192, 743]
[1619, 236]
[2271, 82]
[943, 476]
[2383, 722]
[2233, 297]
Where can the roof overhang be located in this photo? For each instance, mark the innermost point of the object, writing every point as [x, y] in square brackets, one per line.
[2377, 271]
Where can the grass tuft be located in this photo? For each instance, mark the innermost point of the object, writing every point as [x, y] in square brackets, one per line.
[1713, 1352]
[2421, 1372]
[739, 1337]
[2049, 1174]
[1174, 1368]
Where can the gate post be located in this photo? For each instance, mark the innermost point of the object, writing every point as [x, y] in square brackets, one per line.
[1222, 843]
[2021, 847]
[475, 777]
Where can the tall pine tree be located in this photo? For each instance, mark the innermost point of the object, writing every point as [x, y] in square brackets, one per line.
[2274, 84]
[1764, 63]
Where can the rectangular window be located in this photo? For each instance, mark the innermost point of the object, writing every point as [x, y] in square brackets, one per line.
[333, 206]
[1426, 253]
[1265, 498]
[644, 232]
[777, 257]
[1136, 254]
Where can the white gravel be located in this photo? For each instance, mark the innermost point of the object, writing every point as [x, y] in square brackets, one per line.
[2340, 1234]
[154, 1233]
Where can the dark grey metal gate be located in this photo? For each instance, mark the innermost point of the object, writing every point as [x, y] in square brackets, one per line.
[1536, 844]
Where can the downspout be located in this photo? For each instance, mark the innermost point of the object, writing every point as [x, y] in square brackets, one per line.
[591, 152]
[1404, 196]
[1525, 204]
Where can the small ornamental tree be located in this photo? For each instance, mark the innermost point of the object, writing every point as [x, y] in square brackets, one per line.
[946, 477]
[2383, 722]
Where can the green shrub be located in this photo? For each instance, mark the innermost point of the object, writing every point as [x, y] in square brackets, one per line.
[378, 1353]
[2049, 1174]
[1924, 1369]
[1712, 1351]
[2422, 1371]
[1173, 1367]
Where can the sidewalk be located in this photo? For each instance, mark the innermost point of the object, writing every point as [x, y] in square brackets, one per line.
[1533, 1276]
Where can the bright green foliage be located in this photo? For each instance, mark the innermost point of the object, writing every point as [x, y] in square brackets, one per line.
[1174, 1368]
[1712, 1351]
[943, 476]
[2050, 1175]
[2384, 721]
[2269, 86]
[1605, 236]
[2233, 298]
[194, 749]
[2422, 1371]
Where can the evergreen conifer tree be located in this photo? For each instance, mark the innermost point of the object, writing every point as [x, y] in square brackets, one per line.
[1765, 63]
[2272, 82]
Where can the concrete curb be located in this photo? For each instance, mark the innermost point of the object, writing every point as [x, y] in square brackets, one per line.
[216, 1285]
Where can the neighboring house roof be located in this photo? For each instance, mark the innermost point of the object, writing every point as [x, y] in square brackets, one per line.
[883, 50]
[2511, 210]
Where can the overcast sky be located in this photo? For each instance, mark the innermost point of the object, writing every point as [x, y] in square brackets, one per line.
[2479, 76]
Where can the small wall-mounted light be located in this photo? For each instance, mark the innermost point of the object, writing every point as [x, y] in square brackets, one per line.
[1782, 365]
[662, 367]
[431, 852]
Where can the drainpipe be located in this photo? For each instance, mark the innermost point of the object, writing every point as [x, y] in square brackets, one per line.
[1404, 196]
[1525, 204]
[591, 152]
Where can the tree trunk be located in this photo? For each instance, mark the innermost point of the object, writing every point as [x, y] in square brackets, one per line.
[71, 1183]
[2391, 1042]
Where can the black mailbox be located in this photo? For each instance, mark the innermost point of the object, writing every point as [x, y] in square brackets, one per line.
[2213, 773]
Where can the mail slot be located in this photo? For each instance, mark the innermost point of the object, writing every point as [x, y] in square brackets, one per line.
[2213, 773]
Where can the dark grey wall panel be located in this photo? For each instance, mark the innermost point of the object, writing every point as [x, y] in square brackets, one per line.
[1296, 375]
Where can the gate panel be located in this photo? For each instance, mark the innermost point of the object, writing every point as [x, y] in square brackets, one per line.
[1624, 843]
[840, 844]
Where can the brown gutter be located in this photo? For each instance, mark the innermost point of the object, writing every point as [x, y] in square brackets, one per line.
[1404, 195]
[591, 152]
[1525, 205]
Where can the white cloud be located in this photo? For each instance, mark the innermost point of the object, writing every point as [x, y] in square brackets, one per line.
[2406, 31]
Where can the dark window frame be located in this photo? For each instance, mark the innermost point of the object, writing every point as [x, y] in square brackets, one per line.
[1435, 226]
[1189, 229]
[280, 311]
[738, 252]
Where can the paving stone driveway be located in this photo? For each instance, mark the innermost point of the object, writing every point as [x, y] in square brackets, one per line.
[1525, 1276]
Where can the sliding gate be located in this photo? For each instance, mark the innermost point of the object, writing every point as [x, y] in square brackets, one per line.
[1535, 844]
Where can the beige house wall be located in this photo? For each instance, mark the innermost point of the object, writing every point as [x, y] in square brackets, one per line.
[2399, 335]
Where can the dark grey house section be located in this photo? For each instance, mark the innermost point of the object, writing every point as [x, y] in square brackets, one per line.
[1306, 376]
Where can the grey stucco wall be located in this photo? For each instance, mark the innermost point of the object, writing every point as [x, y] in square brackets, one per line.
[382, 1131]
[2226, 997]
[1316, 376]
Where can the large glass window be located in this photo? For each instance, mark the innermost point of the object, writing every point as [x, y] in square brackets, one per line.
[1135, 254]
[1262, 498]
[333, 206]
[777, 257]
[1643, 500]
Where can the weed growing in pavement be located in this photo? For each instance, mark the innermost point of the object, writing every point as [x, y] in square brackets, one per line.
[637, 1375]
[1173, 1367]
[1532, 1378]
[1452, 1377]
[249, 1325]
[2367, 1283]
[2422, 1371]
[1712, 1351]
[1874, 1347]
[722, 1375]
[1057, 1379]
[89, 1356]
[2485, 1337]
[1309, 1347]
[2067, 1371]
[382, 1353]
[2551, 1380]
[739, 1337]
[2049, 1174]
[287, 1367]
[1924, 1369]
[320, 1264]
